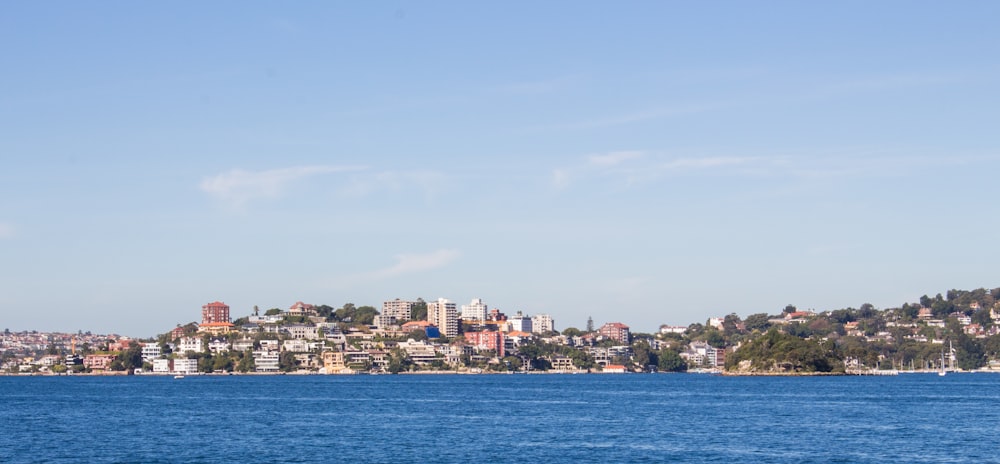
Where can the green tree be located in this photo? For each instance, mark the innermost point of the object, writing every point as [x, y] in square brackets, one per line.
[398, 361]
[419, 310]
[757, 321]
[222, 363]
[246, 363]
[572, 332]
[643, 355]
[670, 361]
[286, 362]
[205, 363]
[365, 315]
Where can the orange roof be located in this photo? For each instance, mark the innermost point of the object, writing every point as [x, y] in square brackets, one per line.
[518, 333]
[417, 324]
[615, 366]
[216, 324]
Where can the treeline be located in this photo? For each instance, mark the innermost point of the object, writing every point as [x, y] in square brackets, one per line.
[912, 336]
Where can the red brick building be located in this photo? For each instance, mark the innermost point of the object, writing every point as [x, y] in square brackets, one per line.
[214, 312]
[615, 331]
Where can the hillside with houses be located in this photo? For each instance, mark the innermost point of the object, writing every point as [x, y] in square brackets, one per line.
[959, 331]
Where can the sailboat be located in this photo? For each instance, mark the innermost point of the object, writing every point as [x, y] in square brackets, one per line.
[941, 372]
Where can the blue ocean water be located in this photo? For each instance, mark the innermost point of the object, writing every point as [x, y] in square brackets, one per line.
[500, 418]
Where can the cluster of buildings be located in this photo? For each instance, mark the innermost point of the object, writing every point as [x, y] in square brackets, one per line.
[450, 339]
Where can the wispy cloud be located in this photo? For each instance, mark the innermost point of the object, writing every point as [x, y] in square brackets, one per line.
[237, 187]
[632, 117]
[426, 181]
[405, 264]
[595, 164]
[6, 231]
[417, 262]
[614, 158]
[638, 166]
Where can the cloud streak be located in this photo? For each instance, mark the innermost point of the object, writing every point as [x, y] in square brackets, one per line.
[238, 187]
[429, 182]
[637, 166]
[416, 262]
[405, 264]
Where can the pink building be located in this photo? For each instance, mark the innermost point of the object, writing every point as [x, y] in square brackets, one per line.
[487, 341]
[98, 362]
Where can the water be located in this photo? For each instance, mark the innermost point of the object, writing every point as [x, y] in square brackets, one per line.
[500, 418]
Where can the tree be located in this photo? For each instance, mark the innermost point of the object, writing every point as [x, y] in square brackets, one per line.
[590, 324]
[129, 360]
[512, 363]
[324, 311]
[246, 363]
[222, 363]
[670, 361]
[365, 315]
[286, 362]
[643, 355]
[790, 309]
[418, 335]
[398, 361]
[757, 321]
[866, 311]
[419, 310]
[272, 312]
[572, 332]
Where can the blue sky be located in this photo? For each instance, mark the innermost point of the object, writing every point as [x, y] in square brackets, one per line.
[648, 162]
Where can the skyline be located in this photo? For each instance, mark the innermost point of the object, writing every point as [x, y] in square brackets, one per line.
[650, 163]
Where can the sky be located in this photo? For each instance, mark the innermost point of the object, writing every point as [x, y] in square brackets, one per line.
[644, 162]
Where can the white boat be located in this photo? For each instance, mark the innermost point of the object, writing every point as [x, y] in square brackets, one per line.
[178, 376]
[941, 372]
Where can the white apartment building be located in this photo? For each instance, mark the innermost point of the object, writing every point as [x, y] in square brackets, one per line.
[519, 323]
[302, 331]
[295, 346]
[243, 344]
[442, 313]
[193, 344]
[150, 351]
[475, 311]
[265, 361]
[400, 309]
[185, 365]
[161, 366]
[542, 323]
[381, 321]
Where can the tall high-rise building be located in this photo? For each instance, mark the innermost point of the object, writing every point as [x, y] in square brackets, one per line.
[442, 313]
[475, 311]
[400, 309]
[215, 311]
[542, 323]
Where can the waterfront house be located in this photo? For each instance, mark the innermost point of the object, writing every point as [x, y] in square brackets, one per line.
[185, 366]
[614, 369]
[98, 362]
